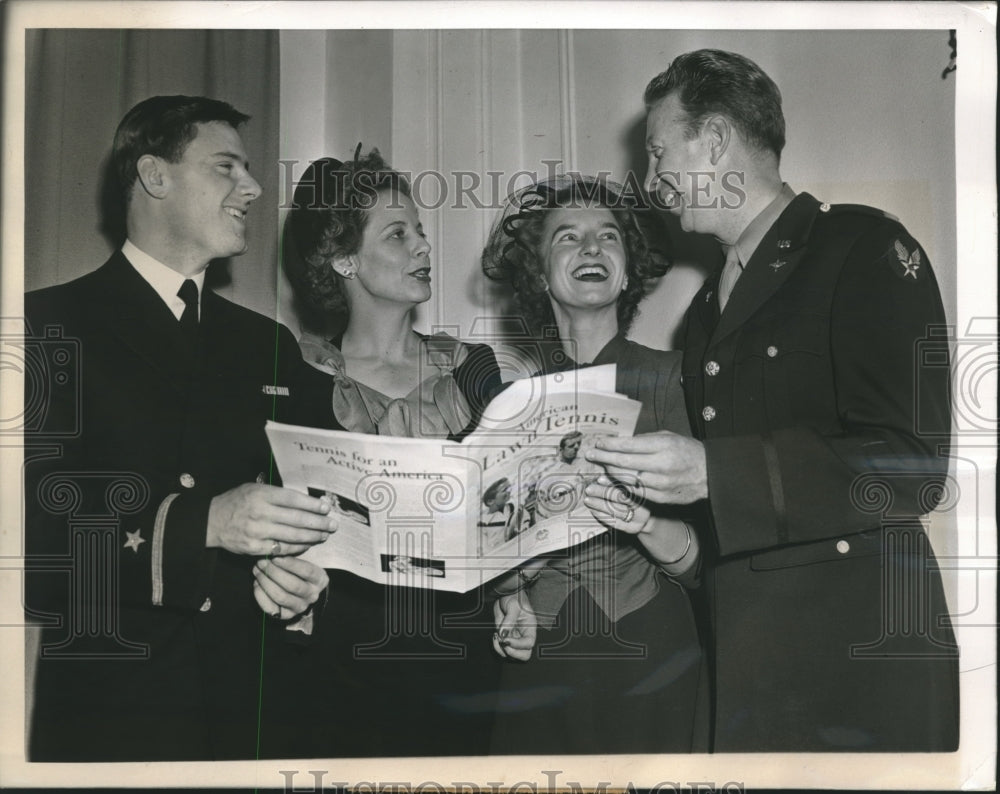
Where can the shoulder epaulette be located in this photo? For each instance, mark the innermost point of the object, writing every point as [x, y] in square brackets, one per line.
[842, 209]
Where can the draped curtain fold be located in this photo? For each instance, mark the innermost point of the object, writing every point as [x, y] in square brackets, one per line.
[80, 82]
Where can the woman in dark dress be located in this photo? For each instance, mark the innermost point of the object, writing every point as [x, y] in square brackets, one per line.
[603, 646]
[393, 670]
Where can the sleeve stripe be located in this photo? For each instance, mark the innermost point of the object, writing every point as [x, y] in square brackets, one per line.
[159, 528]
[777, 490]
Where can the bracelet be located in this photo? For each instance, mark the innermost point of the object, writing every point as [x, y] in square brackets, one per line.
[525, 582]
[687, 548]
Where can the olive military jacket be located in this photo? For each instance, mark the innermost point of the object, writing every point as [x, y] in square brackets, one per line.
[821, 394]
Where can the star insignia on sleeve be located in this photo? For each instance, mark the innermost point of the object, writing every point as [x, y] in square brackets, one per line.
[135, 539]
[909, 261]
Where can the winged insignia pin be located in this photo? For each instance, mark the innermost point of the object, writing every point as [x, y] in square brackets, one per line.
[910, 262]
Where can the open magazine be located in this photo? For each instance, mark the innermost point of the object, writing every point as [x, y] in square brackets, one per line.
[450, 516]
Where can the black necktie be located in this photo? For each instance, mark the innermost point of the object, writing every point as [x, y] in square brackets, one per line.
[189, 294]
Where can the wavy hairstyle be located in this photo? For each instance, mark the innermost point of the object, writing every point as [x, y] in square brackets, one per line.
[513, 255]
[717, 81]
[327, 220]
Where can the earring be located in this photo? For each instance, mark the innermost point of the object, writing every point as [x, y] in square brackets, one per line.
[625, 284]
[349, 274]
[545, 284]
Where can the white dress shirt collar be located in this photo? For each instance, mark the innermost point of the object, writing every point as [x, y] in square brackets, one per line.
[165, 280]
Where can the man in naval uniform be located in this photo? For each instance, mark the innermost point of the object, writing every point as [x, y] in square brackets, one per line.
[821, 437]
[151, 532]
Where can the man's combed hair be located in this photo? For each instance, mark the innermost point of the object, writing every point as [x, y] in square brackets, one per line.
[328, 219]
[163, 126]
[512, 252]
[709, 82]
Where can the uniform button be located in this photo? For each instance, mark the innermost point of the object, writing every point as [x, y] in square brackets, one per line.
[843, 546]
[712, 368]
[824, 207]
[708, 413]
[207, 605]
[772, 351]
[187, 480]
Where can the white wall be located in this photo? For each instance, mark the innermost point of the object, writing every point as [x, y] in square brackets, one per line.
[336, 90]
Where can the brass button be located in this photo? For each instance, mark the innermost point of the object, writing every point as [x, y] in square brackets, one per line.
[712, 368]
[708, 413]
[824, 207]
[843, 546]
[772, 351]
[207, 605]
[187, 480]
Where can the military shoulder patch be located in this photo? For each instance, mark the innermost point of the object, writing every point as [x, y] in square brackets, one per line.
[906, 259]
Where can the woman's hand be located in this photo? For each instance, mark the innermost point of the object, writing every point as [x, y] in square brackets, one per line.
[517, 627]
[669, 541]
[615, 506]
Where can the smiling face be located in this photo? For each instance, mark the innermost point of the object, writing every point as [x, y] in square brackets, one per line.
[583, 256]
[210, 191]
[680, 171]
[393, 262]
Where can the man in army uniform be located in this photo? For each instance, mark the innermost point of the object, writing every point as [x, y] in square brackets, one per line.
[820, 441]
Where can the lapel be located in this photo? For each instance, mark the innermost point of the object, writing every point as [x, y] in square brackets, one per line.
[216, 326]
[705, 305]
[775, 259]
[129, 308]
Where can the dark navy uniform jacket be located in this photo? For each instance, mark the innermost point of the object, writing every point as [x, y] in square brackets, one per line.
[822, 398]
[152, 643]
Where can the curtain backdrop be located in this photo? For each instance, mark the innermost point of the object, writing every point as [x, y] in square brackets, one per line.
[79, 85]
